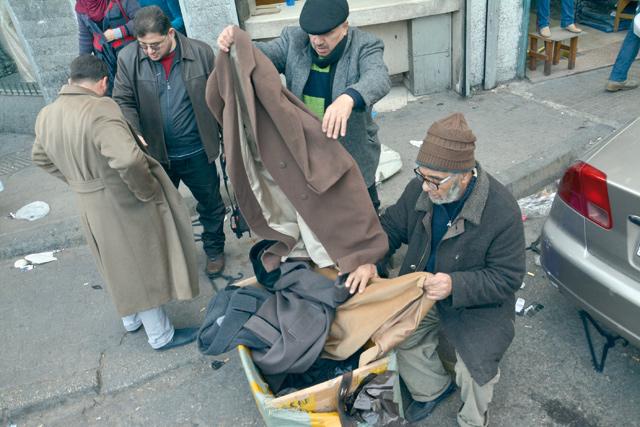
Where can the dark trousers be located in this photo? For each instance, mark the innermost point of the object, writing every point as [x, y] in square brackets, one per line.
[373, 194]
[201, 177]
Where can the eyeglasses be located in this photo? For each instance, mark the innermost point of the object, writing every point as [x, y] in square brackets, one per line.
[432, 184]
[154, 47]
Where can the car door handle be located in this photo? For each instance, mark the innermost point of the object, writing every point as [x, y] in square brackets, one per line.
[635, 219]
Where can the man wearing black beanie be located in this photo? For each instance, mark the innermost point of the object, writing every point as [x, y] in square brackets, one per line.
[338, 72]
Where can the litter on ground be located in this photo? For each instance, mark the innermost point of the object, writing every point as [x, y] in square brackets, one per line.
[32, 211]
[217, 364]
[390, 163]
[23, 265]
[29, 261]
[537, 205]
[533, 309]
[41, 257]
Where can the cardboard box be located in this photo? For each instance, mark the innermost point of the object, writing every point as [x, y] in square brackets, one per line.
[313, 406]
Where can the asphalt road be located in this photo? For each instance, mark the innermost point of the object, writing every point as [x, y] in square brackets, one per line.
[547, 379]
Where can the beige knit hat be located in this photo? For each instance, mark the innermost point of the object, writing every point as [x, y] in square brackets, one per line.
[448, 146]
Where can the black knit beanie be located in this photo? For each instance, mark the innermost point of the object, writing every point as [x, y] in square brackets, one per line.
[321, 16]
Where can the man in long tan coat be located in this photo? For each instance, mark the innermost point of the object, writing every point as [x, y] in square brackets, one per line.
[132, 216]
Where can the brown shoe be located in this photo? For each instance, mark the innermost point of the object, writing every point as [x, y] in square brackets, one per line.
[215, 265]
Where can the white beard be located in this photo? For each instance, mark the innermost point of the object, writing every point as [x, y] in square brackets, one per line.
[454, 193]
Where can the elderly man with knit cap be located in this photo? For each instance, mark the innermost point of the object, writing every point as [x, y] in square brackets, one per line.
[338, 72]
[463, 226]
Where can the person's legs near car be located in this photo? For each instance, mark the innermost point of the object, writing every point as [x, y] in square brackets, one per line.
[626, 56]
[418, 362]
[475, 397]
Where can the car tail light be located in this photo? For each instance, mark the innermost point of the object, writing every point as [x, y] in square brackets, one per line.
[584, 188]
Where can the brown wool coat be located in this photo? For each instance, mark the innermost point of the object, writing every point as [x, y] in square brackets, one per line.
[133, 218]
[316, 174]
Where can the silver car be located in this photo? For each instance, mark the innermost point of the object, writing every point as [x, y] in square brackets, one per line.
[591, 241]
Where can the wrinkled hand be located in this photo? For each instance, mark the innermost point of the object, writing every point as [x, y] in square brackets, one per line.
[359, 278]
[142, 141]
[334, 123]
[225, 39]
[110, 35]
[438, 286]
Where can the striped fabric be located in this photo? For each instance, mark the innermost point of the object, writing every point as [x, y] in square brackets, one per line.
[317, 92]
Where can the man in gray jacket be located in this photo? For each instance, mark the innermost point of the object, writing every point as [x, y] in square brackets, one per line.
[338, 72]
[160, 88]
[465, 227]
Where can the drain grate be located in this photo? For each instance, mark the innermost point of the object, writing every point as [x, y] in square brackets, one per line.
[20, 89]
[14, 162]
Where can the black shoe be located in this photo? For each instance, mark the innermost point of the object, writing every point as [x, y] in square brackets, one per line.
[181, 337]
[418, 411]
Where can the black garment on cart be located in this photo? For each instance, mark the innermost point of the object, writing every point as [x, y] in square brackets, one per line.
[286, 329]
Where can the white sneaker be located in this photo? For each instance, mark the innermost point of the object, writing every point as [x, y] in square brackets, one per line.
[573, 29]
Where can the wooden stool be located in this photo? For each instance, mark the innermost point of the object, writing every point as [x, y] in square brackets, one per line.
[552, 48]
[620, 7]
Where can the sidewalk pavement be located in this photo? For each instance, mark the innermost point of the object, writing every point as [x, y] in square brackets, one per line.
[61, 337]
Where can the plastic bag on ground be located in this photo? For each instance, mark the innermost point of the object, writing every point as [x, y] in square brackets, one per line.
[537, 205]
[390, 163]
[32, 211]
[41, 257]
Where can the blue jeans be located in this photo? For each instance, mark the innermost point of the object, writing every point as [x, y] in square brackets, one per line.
[626, 56]
[567, 15]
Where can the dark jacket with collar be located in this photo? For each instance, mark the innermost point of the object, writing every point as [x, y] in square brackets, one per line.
[286, 326]
[483, 251]
[135, 90]
[361, 68]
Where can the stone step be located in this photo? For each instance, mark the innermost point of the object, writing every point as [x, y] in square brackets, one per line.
[49, 29]
[53, 27]
[18, 113]
[40, 9]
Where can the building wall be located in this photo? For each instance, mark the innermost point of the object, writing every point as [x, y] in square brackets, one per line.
[477, 25]
[508, 39]
[49, 32]
[509, 33]
[204, 19]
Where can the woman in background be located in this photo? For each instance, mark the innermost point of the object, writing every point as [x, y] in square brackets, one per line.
[104, 28]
